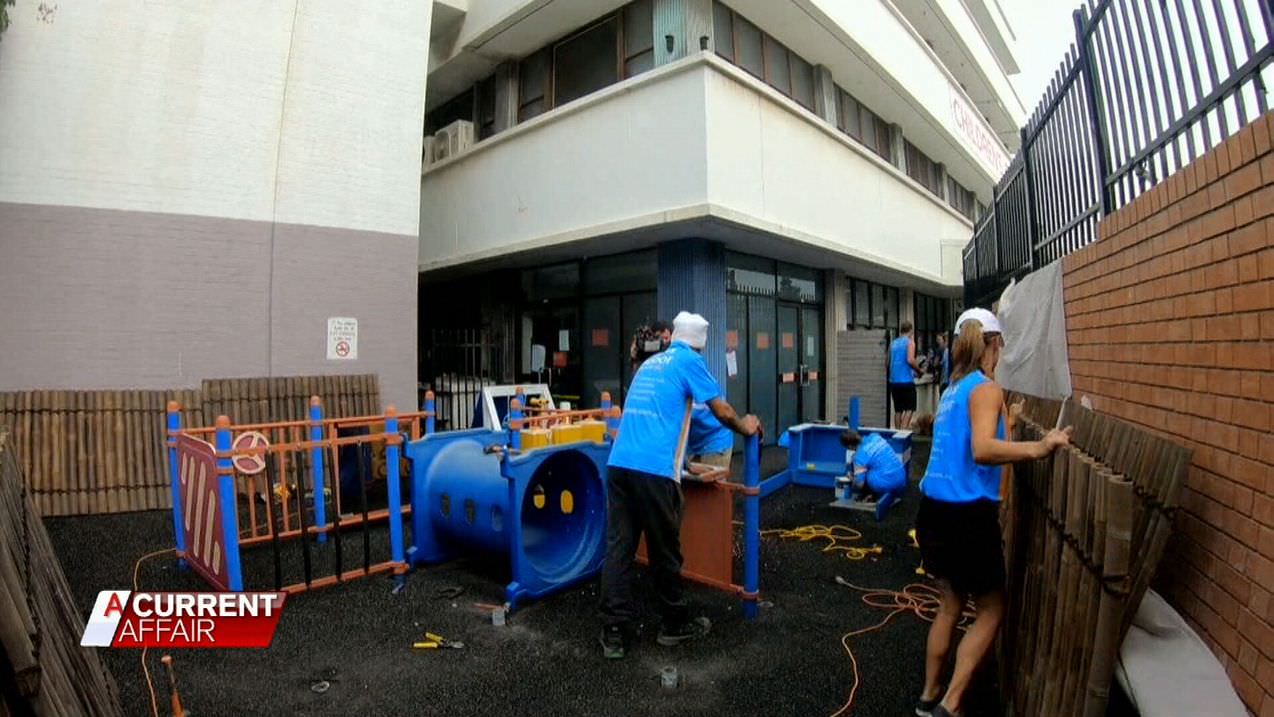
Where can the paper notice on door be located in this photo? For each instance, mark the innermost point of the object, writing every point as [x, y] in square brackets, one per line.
[810, 349]
[564, 340]
[731, 364]
[732, 339]
[789, 340]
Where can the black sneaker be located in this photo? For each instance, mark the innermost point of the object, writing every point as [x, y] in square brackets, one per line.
[677, 634]
[940, 711]
[612, 640]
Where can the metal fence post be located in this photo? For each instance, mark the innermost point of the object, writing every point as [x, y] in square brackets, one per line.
[1093, 102]
[1032, 228]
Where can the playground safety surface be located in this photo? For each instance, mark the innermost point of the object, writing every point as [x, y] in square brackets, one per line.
[546, 660]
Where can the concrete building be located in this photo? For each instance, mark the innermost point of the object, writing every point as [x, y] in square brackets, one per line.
[803, 172]
[190, 190]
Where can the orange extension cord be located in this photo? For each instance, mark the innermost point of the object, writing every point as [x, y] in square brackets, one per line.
[150, 685]
[918, 599]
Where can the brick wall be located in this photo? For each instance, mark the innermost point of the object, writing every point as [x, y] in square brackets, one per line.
[1170, 321]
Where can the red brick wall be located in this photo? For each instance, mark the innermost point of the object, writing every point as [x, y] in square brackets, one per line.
[1170, 321]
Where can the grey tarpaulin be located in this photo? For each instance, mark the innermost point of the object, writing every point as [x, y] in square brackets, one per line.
[1167, 671]
[1034, 359]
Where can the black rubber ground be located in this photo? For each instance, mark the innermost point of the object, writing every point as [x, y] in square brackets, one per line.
[546, 660]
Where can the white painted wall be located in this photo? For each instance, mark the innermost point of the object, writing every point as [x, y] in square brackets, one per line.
[802, 179]
[185, 108]
[694, 139]
[582, 170]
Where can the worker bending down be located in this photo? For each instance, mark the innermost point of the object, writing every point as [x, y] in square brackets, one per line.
[643, 484]
[876, 473]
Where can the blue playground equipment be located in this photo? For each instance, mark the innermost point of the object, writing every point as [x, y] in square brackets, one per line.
[545, 508]
[816, 458]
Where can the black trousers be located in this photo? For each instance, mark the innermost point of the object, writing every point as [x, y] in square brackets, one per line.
[642, 503]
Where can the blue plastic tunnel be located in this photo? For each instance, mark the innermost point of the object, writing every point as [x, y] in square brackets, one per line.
[545, 509]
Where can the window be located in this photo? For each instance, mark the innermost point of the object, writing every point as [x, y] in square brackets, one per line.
[558, 281]
[620, 273]
[963, 200]
[797, 283]
[747, 47]
[639, 38]
[802, 82]
[777, 71]
[749, 274]
[486, 108]
[723, 31]
[862, 124]
[872, 306]
[933, 316]
[533, 83]
[922, 169]
[585, 63]
[459, 107]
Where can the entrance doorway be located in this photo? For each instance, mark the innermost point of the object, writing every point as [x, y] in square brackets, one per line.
[800, 366]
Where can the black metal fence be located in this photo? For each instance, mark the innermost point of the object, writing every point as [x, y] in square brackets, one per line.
[1147, 87]
[456, 364]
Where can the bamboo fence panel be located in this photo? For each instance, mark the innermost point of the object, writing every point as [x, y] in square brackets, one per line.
[40, 627]
[1087, 528]
[95, 452]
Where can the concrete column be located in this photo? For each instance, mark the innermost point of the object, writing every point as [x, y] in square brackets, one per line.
[506, 96]
[897, 148]
[825, 100]
[692, 277]
[835, 320]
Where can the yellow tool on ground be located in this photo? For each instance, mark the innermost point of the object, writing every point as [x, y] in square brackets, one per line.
[433, 642]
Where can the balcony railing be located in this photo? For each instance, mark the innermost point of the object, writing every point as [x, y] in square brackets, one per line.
[1147, 87]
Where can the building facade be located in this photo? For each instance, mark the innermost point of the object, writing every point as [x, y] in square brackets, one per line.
[803, 173]
[190, 190]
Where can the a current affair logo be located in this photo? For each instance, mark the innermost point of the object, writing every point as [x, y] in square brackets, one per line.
[122, 618]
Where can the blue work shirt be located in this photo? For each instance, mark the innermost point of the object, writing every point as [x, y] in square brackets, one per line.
[952, 475]
[885, 471]
[655, 410]
[707, 435]
[899, 369]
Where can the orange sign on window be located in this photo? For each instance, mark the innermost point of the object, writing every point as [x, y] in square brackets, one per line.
[732, 339]
[789, 340]
[601, 338]
[762, 340]
[560, 359]
[789, 378]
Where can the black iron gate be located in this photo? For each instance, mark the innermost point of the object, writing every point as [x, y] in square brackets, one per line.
[455, 365]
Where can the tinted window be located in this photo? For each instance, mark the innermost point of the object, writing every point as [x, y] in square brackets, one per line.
[723, 31]
[639, 39]
[748, 47]
[585, 63]
[777, 72]
[802, 82]
[533, 85]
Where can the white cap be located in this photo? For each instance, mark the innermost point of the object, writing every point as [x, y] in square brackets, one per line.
[990, 324]
[690, 328]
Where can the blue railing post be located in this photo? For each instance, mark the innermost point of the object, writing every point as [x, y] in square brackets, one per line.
[515, 424]
[229, 504]
[751, 525]
[174, 475]
[316, 462]
[393, 443]
[855, 412]
[430, 412]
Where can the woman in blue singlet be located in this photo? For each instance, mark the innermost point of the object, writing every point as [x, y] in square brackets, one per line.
[958, 526]
[903, 368]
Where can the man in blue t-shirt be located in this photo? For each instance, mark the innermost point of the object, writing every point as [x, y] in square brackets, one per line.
[643, 487]
[877, 471]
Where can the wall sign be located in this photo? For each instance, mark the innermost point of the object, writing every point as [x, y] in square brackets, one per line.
[342, 339]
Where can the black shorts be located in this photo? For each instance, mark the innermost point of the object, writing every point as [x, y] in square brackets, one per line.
[903, 395]
[961, 543]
